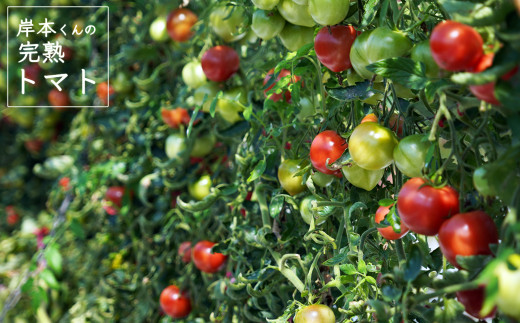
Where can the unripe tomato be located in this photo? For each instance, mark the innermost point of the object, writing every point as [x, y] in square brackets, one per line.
[473, 299]
[122, 83]
[388, 232]
[421, 53]
[231, 103]
[322, 180]
[267, 24]
[115, 195]
[362, 178]
[205, 260]
[174, 118]
[374, 45]
[158, 30]
[481, 181]
[455, 46]
[278, 96]
[467, 234]
[328, 12]
[371, 146]
[174, 303]
[265, 4]
[219, 63]
[185, 251]
[203, 145]
[423, 208]
[201, 188]
[105, 93]
[179, 24]
[58, 98]
[210, 90]
[175, 146]
[410, 154]
[317, 313]
[295, 13]
[229, 22]
[508, 287]
[332, 46]
[294, 37]
[327, 147]
[193, 75]
[292, 184]
[308, 213]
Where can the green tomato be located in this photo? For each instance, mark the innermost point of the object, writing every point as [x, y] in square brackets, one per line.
[362, 178]
[229, 22]
[267, 24]
[328, 12]
[294, 37]
[371, 146]
[421, 53]
[321, 179]
[210, 90]
[193, 75]
[508, 287]
[307, 109]
[295, 13]
[292, 184]
[158, 30]
[374, 45]
[410, 153]
[481, 181]
[201, 188]
[175, 146]
[231, 103]
[123, 83]
[315, 314]
[203, 145]
[265, 4]
[307, 212]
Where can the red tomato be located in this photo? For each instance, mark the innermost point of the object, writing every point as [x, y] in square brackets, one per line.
[332, 46]
[396, 124]
[278, 96]
[174, 303]
[424, 209]
[327, 145]
[58, 98]
[467, 234]
[115, 195]
[205, 260]
[174, 118]
[388, 232]
[456, 46]
[12, 215]
[64, 183]
[179, 23]
[219, 63]
[32, 72]
[33, 145]
[185, 251]
[105, 93]
[473, 299]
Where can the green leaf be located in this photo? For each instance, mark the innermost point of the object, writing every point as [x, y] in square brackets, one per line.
[77, 229]
[491, 295]
[38, 296]
[391, 293]
[49, 278]
[382, 310]
[432, 87]
[257, 171]
[360, 91]
[275, 207]
[54, 258]
[370, 12]
[449, 312]
[348, 269]
[371, 280]
[451, 278]
[401, 70]
[487, 76]
[412, 268]
[213, 105]
[362, 267]
[337, 259]
[386, 202]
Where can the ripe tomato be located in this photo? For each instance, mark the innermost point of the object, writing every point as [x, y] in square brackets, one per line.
[508, 287]
[185, 251]
[267, 25]
[328, 12]
[265, 4]
[229, 22]
[205, 260]
[33, 73]
[371, 146]
[193, 75]
[158, 30]
[12, 215]
[308, 213]
[388, 232]
[362, 178]
[370, 118]
[105, 93]
[374, 45]
[174, 303]
[278, 96]
[473, 299]
[327, 146]
[332, 46]
[200, 189]
[421, 53]
[455, 46]
[316, 313]
[174, 118]
[64, 182]
[33, 145]
[293, 37]
[292, 184]
[423, 209]
[175, 146]
[410, 154]
[115, 195]
[467, 234]
[219, 63]
[295, 13]
[179, 24]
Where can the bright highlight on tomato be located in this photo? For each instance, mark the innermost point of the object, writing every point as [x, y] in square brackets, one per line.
[179, 24]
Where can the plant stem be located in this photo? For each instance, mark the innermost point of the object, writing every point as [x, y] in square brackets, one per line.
[400, 251]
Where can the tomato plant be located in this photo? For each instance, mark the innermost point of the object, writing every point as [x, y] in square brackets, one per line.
[200, 188]
[332, 46]
[174, 302]
[410, 154]
[388, 232]
[326, 148]
[421, 53]
[371, 146]
[115, 195]
[284, 94]
[179, 24]
[307, 212]
[316, 313]
[288, 179]
[206, 260]
[423, 208]
[219, 63]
